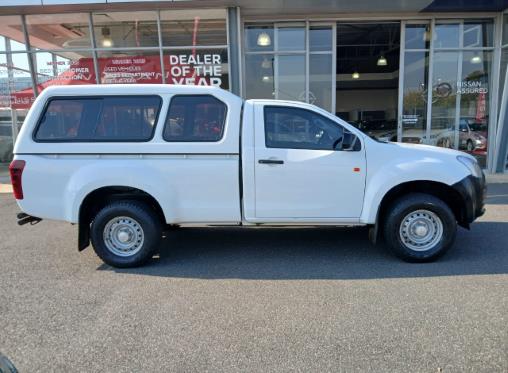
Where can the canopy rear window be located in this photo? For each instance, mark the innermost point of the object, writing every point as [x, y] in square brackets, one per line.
[95, 119]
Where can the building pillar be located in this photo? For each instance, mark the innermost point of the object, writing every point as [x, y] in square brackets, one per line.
[234, 50]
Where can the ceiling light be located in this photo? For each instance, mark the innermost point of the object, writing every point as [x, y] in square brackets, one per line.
[382, 61]
[356, 75]
[264, 40]
[266, 64]
[107, 42]
[476, 59]
[426, 34]
[266, 79]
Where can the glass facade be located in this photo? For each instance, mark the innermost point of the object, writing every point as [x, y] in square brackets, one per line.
[423, 81]
[439, 95]
[503, 95]
[169, 46]
[290, 61]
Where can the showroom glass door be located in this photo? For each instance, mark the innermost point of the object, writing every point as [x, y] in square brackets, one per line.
[413, 95]
[445, 80]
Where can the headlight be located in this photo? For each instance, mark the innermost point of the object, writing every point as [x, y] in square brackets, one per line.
[471, 164]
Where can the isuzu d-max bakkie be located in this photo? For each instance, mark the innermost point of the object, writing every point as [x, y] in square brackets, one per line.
[125, 162]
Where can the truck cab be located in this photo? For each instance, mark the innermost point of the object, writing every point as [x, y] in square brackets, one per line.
[125, 163]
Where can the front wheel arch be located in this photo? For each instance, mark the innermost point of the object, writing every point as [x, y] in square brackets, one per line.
[444, 192]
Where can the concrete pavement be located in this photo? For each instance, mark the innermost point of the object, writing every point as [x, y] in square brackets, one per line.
[233, 300]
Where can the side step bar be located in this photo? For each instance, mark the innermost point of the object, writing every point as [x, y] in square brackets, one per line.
[25, 219]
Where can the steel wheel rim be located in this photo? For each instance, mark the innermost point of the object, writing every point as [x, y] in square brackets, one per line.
[123, 236]
[421, 230]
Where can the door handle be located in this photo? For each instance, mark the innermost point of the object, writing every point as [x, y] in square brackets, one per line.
[270, 161]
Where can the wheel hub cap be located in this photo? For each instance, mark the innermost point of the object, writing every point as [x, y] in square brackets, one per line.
[421, 230]
[123, 236]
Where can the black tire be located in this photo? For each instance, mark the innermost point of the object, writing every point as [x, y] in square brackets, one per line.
[144, 218]
[402, 209]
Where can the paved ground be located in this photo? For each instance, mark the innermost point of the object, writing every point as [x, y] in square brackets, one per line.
[255, 300]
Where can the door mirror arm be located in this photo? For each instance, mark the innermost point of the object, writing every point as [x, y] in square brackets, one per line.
[345, 143]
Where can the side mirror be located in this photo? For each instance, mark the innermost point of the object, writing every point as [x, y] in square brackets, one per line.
[348, 142]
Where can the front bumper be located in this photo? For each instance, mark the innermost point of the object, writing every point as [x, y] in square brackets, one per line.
[473, 191]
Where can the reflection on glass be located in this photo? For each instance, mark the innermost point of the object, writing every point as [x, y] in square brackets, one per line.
[64, 68]
[259, 76]
[478, 33]
[190, 27]
[505, 29]
[16, 97]
[414, 113]
[417, 36]
[444, 100]
[320, 38]
[320, 80]
[291, 38]
[15, 40]
[125, 29]
[291, 78]
[504, 70]
[259, 38]
[474, 104]
[58, 31]
[447, 35]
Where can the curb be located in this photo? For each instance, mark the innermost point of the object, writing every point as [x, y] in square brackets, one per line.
[5, 188]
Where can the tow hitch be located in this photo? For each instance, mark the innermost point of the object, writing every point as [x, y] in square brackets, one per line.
[25, 219]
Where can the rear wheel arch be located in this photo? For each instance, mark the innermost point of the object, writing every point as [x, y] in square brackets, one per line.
[95, 200]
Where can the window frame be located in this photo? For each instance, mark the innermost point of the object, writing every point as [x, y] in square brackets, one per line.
[92, 97]
[344, 128]
[223, 131]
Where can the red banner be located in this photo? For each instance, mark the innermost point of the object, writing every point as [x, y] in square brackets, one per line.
[190, 69]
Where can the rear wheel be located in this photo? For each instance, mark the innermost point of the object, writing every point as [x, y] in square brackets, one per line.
[420, 227]
[126, 233]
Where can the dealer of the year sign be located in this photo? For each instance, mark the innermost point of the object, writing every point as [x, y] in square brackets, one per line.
[205, 69]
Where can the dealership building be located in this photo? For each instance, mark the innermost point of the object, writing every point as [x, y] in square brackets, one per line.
[421, 71]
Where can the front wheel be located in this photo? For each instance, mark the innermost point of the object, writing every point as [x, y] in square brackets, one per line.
[125, 233]
[420, 227]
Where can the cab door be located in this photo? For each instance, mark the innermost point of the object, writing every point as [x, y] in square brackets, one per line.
[307, 166]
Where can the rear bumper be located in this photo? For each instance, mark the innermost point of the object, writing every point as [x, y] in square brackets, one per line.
[473, 191]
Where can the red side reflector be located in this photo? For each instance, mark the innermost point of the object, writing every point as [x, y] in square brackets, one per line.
[356, 169]
[16, 170]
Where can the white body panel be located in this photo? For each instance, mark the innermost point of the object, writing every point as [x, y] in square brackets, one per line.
[310, 183]
[391, 164]
[193, 182]
[222, 182]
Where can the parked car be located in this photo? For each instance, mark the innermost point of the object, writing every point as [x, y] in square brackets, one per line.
[124, 162]
[472, 135]
[383, 130]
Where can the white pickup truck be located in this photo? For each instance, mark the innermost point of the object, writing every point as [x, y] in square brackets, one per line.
[125, 162]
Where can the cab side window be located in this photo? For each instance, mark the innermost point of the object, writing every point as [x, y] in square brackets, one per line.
[195, 118]
[295, 128]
